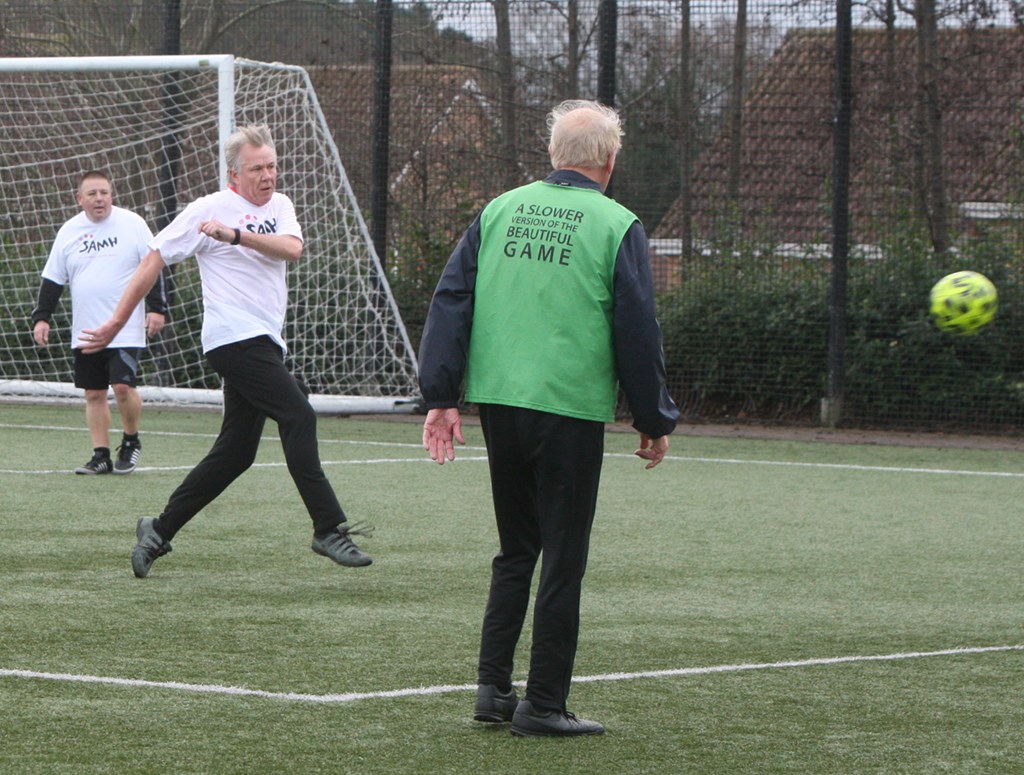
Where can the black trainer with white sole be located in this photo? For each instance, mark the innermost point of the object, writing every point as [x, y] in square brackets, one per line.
[97, 465]
[128, 457]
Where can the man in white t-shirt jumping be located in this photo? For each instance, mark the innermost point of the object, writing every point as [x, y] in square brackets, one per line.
[95, 253]
[243, 238]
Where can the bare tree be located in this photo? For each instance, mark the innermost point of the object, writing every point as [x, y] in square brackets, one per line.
[573, 53]
[736, 94]
[928, 170]
[553, 40]
[77, 28]
[507, 85]
[123, 27]
[686, 131]
[928, 119]
[674, 87]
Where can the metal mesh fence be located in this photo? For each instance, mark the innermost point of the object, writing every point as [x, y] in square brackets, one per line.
[729, 159]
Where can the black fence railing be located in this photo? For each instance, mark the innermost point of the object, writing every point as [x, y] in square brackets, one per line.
[729, 160]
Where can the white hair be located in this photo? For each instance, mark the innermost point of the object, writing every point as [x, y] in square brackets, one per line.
[257, 135]
[583, 133]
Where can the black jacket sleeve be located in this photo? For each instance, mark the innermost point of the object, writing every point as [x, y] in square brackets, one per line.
[49, 294]
[156, 299]
[444, 347]
[639, 358]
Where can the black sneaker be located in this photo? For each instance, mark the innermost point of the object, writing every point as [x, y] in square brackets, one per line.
[150, 546]
[494, 706]
[98, 465]
[128, 456]
[339, 547]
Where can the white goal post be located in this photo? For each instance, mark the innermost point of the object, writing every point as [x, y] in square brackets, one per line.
[156, 125]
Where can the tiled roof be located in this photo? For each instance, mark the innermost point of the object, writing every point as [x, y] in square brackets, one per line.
[444, 139]
[786, 167]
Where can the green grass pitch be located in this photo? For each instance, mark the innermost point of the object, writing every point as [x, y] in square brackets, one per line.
[750, 607]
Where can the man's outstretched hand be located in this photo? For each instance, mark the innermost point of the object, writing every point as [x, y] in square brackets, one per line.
[439, 430]
[652, 450]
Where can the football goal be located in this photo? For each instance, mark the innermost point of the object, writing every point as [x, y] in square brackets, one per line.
[156, 125]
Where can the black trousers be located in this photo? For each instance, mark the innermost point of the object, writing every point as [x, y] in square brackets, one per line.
[545, 470]
[257, 385]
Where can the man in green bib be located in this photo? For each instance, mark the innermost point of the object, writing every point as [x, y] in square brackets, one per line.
[545, 308]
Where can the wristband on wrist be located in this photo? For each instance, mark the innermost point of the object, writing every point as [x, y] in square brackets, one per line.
[238, 237]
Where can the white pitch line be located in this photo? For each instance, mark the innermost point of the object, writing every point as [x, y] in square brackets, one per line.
[373, 461]
[616, 455]
[422, 691]
[836, 466]
[796, 663]
[196, 435]
[462, 456]
[145, 469]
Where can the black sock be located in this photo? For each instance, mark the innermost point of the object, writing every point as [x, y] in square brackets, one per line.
[158, 528]
[130, 437]
[100, 453]
[321, 533]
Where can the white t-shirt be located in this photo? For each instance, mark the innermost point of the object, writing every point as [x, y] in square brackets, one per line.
[245, 294]
[96, 260]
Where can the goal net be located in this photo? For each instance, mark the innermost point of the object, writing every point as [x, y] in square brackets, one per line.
[156, 126]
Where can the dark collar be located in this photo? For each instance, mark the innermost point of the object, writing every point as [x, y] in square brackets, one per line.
[571, 178]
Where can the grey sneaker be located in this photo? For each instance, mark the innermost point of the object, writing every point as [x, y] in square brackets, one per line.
[339, 547]
[97, 465]
[150, 546]
[529, 721]
[494, 706]
[127, 457]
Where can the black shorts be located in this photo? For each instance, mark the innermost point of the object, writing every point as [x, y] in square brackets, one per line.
[113, 366]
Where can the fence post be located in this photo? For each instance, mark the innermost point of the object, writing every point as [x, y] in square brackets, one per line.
[172, 112]
[832, 405]
[381, 130]
[608, 19]
[163, 347]
[686, 133]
